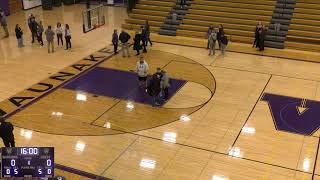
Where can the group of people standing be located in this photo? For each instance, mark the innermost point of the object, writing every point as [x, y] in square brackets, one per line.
[216, 35]
[141, 40]
[259, 36]
[59, 32]
[156, 85]
[36, 29]
[219, 35]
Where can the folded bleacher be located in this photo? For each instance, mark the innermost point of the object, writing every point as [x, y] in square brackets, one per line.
[239, 18]
[304, 31]
[299, 19]
[155, 11]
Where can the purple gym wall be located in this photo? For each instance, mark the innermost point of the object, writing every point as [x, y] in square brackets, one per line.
[4, 4]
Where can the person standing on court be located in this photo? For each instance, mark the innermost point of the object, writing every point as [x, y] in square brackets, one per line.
[165, 84]
[67, 34]
[144, 39]
[154, 89]
[6, 133]
[220, 34]
[124, 39]
[212, 42]
[50, 36]
[33, 27]
[257, 34]
[158, 71]
[29, 21]
[39, 33]
[19, 34]
[136, 43]
[210, 29]
[147, 28]
[115, 41]
[262, 35]
[4, 24]
[142, 69]
[224, 43]
[59, 32]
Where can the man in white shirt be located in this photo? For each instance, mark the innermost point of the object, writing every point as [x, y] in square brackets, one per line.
[142, 69]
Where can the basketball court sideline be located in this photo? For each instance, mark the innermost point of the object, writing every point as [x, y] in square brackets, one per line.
[234, 117]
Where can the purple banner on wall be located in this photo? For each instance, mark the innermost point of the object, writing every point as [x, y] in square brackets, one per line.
[4, 5]
[118, 1]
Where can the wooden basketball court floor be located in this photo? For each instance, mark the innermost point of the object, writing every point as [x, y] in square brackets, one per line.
[229, 118]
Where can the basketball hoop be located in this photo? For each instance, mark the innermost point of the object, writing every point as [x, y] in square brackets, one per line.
[93, 18]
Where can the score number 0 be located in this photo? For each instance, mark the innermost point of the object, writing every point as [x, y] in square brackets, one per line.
[49, 171]
[13, 164]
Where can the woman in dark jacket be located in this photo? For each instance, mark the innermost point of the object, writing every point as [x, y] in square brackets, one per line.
[220, 34]
[257, 35]
[33, 27]
[39, 32]
[154, 88]
[262, 35]
[136, 44]
[67, 36]
[147, 29]
[19, 34]
[144, 39]
[115, 41]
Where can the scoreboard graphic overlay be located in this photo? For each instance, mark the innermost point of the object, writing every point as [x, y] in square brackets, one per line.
[27, 162]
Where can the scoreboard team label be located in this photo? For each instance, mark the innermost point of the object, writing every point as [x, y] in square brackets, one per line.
[27, 162]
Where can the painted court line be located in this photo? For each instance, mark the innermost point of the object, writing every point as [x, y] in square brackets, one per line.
[315, 161]
[253, 108]
[79, 172]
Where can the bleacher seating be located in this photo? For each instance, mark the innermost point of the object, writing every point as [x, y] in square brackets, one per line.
[304, 31]
[155, 11]
[239, 18]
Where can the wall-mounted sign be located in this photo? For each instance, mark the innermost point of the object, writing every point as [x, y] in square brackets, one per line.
[4, 5]
[110, 2]
[28, 4]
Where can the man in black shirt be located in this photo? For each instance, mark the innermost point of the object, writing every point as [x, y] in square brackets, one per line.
[124, 39]
[224, 43]
[6, 133]
[154, 88]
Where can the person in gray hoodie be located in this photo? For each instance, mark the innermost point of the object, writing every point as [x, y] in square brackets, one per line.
[165, 84]
[39, 32]
[209, 31]
[50, 36]
[212, 42]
